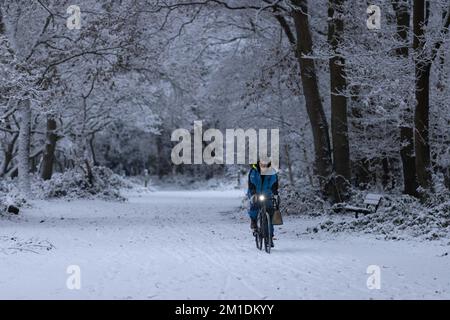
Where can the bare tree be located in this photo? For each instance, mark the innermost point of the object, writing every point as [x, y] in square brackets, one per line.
[403, 20]
[314, 107]
[423, 64]
[24, 146]
[338, 86]
[49, 149]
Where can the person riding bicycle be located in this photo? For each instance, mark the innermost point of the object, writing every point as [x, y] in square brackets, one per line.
[262, 179]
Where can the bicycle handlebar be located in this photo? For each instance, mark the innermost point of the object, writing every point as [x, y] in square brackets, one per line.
[274, 198]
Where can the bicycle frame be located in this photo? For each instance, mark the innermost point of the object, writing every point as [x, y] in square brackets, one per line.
[264, 221]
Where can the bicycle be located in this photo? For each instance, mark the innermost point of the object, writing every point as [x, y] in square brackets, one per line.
[263, 231]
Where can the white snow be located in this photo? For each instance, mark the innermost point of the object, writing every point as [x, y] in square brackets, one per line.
[196, 245]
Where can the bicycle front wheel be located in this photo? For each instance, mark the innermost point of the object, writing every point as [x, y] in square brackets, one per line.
[267, 233]
[258, 231]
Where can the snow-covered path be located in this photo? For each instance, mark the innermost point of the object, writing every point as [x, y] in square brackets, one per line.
[193, 245]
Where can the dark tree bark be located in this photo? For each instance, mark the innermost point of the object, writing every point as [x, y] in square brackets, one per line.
[89, 174]
[8, 149]
[422, 88]
[49, 150]
[92, 148]
[2, 26]
[408, 159]
[403, 18]
[24, 145]
[314, 107]
[8, 154]
[423, 65]
[338, 85]
[386, 178]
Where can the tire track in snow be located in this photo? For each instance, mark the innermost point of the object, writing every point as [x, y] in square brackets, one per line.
[201, 234]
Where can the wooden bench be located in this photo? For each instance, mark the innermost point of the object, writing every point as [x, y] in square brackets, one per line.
[371, 201]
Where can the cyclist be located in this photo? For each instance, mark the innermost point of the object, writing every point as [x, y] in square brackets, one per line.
[262, 179]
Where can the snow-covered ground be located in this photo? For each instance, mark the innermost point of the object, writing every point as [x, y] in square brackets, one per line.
[195, 245]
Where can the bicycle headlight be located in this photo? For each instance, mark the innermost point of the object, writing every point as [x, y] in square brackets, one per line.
[262, 198]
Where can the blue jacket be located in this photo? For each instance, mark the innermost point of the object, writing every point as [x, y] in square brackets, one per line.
[261, 184]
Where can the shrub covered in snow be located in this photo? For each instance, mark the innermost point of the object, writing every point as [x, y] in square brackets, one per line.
[75, 184]
[398, 217]
[192, 183]
[10, 196]
[302, 199]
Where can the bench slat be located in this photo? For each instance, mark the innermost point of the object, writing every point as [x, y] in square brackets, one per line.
[371, 201]
[374, 196]
[356, 209]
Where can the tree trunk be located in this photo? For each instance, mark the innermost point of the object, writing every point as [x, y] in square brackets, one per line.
[159, 152]
[406, 127]
[386, 175]
[89, 173]
[24, 147]
[49, 150]
[92, 148]
[422, 86]
[2, 25]
[338, 85]
[323, 163]
[7, 157]
[421, 121]
[447, 177]
[289, 164]
[8, 154]
[408, 159]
